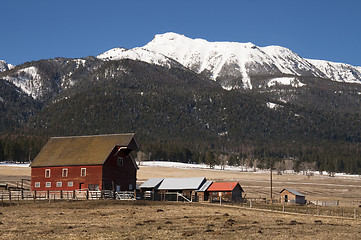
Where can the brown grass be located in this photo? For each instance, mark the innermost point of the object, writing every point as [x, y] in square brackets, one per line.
[108, 219]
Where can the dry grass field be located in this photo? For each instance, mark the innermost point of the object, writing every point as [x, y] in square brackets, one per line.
[109, 219]
[347, 190]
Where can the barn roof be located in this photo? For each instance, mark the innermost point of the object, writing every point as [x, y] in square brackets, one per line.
[182, 183]
[152, 183]
[293, 192]
[223, 186]
[81, 150]
[205, 186]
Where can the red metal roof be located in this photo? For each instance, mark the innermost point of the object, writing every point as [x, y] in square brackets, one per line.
[222, 186]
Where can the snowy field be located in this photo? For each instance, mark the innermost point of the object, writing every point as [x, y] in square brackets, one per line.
[204, 166]
[230, 168]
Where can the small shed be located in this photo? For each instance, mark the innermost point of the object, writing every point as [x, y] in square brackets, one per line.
[229, 191]
[292, 196]
[186, 186]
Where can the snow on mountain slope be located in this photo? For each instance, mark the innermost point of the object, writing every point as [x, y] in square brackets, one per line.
[28, 80]
[231, 59]
[139, 54]
[227, 61]
[4, 66]
[339, 72]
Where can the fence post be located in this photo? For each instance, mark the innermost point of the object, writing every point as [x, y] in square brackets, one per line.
[87, 194]
[73, 194]
[48, 194]
[250, 203]
[283, 206]
[10, 197]
[354, 213]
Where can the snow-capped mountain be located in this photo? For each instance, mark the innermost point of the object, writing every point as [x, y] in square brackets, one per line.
[46, 78]
[139, 54]
[4, 66]
[339, 72]
[234, 64]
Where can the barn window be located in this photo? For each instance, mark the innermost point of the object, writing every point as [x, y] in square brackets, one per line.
[83, 172]
[70, 184]
[120, 161]
[130, 187]
[65, 172]
[59, 184]
[48, 184]
[91, 186]
[47, 173]
[37, 184]
[96, 187]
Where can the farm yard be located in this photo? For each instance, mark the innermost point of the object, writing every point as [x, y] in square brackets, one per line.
[109, 219]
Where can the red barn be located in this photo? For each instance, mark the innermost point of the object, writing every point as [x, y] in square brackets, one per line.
[100, 162]
[229, 191]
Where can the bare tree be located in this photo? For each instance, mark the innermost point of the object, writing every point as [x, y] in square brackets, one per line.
[141, 156]
[223, 159]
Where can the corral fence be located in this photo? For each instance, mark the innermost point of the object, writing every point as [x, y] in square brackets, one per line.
[13, 196]
[318, 208]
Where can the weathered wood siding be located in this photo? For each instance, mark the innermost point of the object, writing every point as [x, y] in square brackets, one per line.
[93, 177]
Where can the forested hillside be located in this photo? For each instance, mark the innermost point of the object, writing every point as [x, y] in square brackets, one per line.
[179, 115]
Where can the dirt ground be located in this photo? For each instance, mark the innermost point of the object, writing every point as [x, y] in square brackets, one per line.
[109, 219]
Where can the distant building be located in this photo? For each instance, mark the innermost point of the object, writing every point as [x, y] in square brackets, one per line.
[170, 186]
[229, 191]
[292, 196]
[101, 162]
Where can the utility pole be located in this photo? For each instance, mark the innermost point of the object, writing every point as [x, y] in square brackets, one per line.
[271, 184]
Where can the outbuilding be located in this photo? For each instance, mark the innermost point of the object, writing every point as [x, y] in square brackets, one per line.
[185, 186]
[292, 196]
[100, 162]
[228, 191]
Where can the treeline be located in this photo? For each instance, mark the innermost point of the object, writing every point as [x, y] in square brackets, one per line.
[325, 156]
[20, 148]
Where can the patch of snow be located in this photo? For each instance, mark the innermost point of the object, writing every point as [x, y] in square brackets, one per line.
[28, 80]
[14, 164]
[273, 105]
[290, 81]
[339, 72]
[139, 54]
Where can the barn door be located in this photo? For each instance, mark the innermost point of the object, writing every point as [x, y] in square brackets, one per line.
[286, 198]
[81, 185]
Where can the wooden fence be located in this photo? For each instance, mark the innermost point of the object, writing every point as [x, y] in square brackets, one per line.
[12, 196]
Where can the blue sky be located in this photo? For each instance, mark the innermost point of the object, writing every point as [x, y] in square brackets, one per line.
[42, 29]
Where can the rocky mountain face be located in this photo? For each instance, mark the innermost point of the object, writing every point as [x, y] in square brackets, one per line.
[4, 66]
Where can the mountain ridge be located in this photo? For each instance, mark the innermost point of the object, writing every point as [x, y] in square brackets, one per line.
[227, 61]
